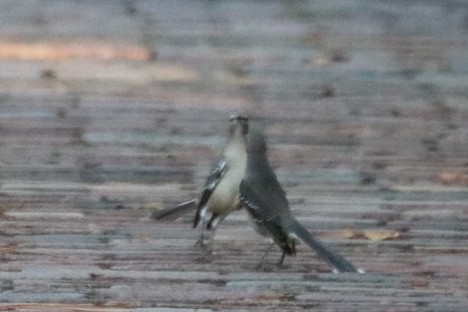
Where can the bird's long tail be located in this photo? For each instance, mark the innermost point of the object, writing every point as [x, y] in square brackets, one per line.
[170, 214]
[336, 261]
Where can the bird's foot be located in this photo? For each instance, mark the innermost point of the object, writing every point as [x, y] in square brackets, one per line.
[205, 245]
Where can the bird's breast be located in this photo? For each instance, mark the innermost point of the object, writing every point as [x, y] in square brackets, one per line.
[225, 198]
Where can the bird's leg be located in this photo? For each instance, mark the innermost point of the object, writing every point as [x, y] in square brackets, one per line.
[201, 241]
[289, 249]
[283, 255]
[212, 224]
[207, 242]
[202, 235]
[210, 243]
[264, 255]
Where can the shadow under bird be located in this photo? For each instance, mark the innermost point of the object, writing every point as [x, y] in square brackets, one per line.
[267, 205]
[220, 195]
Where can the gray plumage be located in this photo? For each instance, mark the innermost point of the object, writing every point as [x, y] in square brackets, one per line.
[266, 203]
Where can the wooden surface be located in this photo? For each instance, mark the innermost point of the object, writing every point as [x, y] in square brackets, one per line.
[110, 111]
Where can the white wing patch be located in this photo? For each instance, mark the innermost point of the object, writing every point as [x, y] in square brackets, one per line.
[249, 204]
[216, 174]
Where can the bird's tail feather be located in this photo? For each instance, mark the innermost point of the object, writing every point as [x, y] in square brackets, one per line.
[336, 261]
[170, 214]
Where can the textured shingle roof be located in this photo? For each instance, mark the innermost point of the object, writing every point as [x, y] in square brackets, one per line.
[365, 108]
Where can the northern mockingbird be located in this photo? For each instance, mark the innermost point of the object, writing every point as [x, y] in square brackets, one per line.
[220, 195]
[266, 204]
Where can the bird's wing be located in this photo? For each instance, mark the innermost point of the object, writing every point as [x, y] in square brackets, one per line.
[216, 175]
[262, 211]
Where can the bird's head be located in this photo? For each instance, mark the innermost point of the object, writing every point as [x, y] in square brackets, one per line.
[238, 122]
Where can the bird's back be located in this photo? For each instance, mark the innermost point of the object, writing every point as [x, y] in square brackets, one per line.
[260, 183]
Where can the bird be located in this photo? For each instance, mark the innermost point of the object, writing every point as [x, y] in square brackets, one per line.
[220, 194]
[267, 206]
